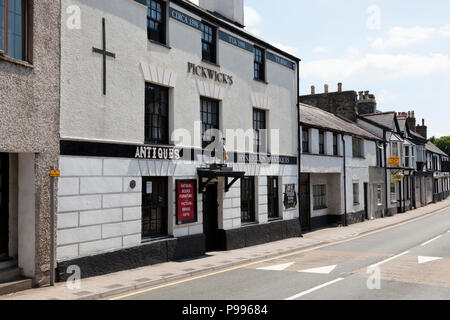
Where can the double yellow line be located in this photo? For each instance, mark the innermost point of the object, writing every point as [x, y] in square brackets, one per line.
[278, 257]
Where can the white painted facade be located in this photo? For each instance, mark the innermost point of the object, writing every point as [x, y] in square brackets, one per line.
[328, 170]
[97, 210]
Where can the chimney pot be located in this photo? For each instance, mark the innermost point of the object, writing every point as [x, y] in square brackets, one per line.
[423, 122]
[326, 88]
[361, 95]
[339, 87]
[313, 90]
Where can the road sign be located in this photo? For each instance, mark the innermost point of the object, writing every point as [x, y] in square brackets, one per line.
[54, 173]
[394, 161]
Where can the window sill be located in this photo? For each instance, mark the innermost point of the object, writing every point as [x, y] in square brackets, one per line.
[16, 61]
[211, 63]
[259, 80]
[275, 219]
[156, 239]
[248, 224]
[356, 203]
[159, 44]
[320, 208]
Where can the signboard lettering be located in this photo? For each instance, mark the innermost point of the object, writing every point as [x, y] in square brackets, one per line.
[186, 201]
[209, 74]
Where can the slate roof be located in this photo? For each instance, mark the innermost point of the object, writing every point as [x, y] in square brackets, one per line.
[316, 117]
[433, 148]
[384, 119]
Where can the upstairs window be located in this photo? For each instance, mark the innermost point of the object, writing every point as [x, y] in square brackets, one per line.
[407, 157]
[208, 43]
[259, 125]
[335, 144]
[305, 140]
[156, 21]
[156, 114]
[321, 142]
[357, 148]
[209, 114]
[13, 26]
[260, 72]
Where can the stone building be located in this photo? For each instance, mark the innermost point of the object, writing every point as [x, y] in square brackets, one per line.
[146, 176]
[29, 135]
[341, 180]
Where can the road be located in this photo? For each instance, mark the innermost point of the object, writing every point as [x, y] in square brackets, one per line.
[410, 261]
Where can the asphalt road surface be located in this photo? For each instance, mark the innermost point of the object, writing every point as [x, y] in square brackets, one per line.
[410, 261]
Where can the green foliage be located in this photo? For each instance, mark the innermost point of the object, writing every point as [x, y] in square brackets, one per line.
[442, 143]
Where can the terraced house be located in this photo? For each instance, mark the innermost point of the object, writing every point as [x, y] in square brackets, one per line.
[29, 137]
[155, 98]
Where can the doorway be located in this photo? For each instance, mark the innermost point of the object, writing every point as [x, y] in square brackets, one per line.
[4, 205]
[154, 207]
[211, 217]
[305, 203]
[366, 201]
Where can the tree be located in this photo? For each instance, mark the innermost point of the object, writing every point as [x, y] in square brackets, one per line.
[442, 143]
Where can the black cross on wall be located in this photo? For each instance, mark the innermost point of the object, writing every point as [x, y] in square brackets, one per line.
[105, 54]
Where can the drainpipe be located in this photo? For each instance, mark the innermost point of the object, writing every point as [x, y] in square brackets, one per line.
[345, 180]
[385, 175]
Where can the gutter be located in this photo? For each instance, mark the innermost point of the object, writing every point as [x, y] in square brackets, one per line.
[299, 144]
[385, 174]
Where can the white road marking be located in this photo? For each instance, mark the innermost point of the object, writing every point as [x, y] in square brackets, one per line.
[321, 270]
[387, 260]
[301, 294]
[279, 267]
[429, 241]
[427, 259]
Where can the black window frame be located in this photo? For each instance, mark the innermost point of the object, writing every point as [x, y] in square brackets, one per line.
[25, 32]
[248, 200]
[335, 144]
[161, 135]
[158, 36]
[305, 140]
[321, 142]
[160, 229]
[209, 42]
[273, 198]
[259, 64]
[259, 124]
[319, 196]
[209, 109]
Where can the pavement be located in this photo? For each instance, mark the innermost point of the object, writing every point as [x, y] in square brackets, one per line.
[200, 278]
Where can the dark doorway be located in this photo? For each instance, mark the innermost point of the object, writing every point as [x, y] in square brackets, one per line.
[366, 200]
[305, 203]
[154, 207]
[4, 207]
[210, 218]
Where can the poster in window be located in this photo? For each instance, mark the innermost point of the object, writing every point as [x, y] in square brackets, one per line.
[290, 197]
[186, 201]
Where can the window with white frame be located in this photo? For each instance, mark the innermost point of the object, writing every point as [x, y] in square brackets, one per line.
[355, 193]
[379, 194]
[407, 157]
[393, 192]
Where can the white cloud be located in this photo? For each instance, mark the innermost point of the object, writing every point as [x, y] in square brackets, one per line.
[445, 31]
[376, 66]
[386, 97]
[321, 50]
[399, 37]
[285, 48]
[252, 17]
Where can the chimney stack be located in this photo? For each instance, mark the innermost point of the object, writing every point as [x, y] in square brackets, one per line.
[326, 88]
[422, 130]
[230, 9]
[313, 90]
[339, 87]
[411, 120]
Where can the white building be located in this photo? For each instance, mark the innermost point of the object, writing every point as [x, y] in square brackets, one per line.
[341, 178]
[138, 182]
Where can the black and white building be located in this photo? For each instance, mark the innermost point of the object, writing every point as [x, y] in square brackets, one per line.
[149, 91]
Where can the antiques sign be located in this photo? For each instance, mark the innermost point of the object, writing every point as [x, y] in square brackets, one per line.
[290, 197]
[157, 153]
[186, 201]
[209, 74]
